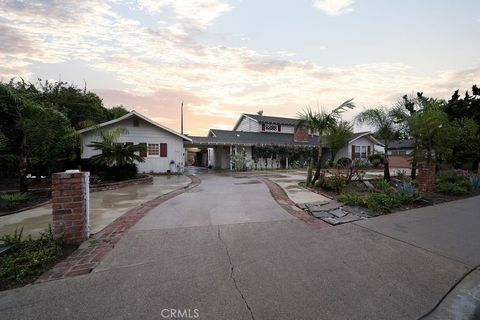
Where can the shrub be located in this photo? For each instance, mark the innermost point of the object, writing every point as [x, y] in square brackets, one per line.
[13, 198]
[376, 163]
[383, 202]
[335, 182]
[453, 183]
[344, 162]
[377, 157]
[118, 173]
[352, 199]
[28, 257]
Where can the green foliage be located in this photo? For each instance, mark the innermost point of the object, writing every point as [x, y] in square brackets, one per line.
[322, 123]
[113, 153]
[352, 199]
[453, 183]
[376, 156]
[431, 131]
[464, 141]
[384, 123]
[383, 202]
[335, 182]
[12, 199]
[376, 163]
[28, 257]
[338, 137]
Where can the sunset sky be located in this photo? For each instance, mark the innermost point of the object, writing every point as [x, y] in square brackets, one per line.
[224, 58]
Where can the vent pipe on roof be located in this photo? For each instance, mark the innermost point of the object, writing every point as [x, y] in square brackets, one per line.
[260, 112]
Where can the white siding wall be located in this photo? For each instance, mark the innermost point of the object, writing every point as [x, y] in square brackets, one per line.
[145, 133]
[346, 152]
[248, 125]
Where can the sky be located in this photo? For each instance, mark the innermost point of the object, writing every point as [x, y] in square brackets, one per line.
[228, 57]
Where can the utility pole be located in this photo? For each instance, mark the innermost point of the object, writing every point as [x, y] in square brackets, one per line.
[181, 120]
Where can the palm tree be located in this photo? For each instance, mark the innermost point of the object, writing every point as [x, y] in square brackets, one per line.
[322, 122]
[113, 153]
[383, 122]
[338, 137]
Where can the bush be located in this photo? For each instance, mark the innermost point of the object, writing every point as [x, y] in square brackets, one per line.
[454, 184]
[352, 199]
[118, 173]
[376, 163]
[10, 200]
[335, 182]
[376, 156]
[344, 162]
[28, 257]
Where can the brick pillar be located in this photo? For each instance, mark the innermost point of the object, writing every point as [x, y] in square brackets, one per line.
[426, 178]
[70, 206]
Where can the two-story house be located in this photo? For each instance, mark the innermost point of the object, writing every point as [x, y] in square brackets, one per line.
[252, 131]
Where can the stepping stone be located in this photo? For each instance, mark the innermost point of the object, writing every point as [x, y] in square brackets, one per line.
[321, 214]
[332, 205]
[359, 211]
[345, 219]
[338, 213]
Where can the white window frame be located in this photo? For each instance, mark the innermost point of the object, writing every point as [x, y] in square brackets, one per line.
[361, 152]
[153, 155]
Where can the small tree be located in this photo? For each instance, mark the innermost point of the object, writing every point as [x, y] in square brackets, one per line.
[383, 122]
[338, 137]
[113, 153]
[322, 122]
[432, 133]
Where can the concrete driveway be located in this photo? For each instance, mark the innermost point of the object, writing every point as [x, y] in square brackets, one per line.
[226, 250]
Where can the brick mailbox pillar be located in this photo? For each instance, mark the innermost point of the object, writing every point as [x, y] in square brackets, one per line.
[70, 204]
[426, 178]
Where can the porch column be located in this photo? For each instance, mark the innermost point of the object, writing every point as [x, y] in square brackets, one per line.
[231, 160]
[286, 163]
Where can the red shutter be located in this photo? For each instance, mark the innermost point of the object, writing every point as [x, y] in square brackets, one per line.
[279, 128]
[368, 150]
[163, 150]
[143, 152]
[263, 126]
[353, 152]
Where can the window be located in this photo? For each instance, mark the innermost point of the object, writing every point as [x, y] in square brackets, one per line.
[360, 152]
[398, 152]
[153, 150]
[271, 127]
[136, 123]
[163, 150]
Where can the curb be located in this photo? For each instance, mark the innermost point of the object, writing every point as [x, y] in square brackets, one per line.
[288, 205]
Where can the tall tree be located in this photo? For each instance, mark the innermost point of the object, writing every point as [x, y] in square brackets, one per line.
[322, 122]
[338, 137]
[383, 122]
[432, 132]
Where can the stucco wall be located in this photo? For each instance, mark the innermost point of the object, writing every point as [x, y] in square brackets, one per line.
[144, 133]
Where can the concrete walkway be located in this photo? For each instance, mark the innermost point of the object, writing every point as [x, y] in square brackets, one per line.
[289, 181]
[230, 252]
[105, 206]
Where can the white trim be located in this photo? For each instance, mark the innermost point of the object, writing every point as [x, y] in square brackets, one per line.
[240, 120]
[129, 115]
[368, 135]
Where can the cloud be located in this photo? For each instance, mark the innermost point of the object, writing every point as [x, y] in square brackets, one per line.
[194, 13]
[334, 7]
[161, 66]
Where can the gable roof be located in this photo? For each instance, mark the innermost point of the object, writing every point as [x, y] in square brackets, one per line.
[131, 114]
[366, 134]
[266, 119]
[226, 137]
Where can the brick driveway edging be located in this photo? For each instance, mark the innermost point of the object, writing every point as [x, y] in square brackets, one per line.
[89, 254]
[288, 205]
